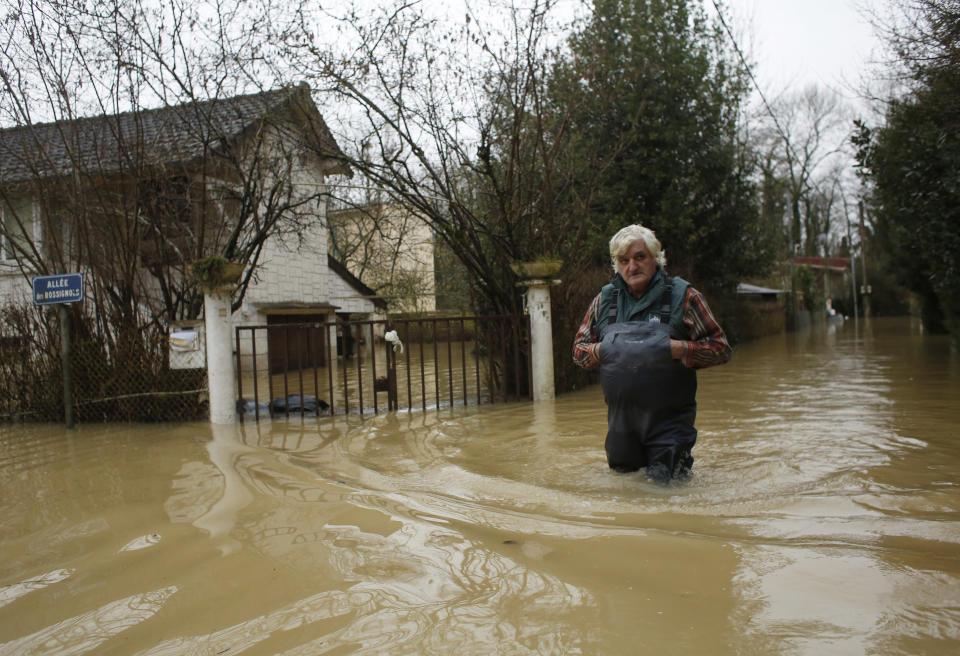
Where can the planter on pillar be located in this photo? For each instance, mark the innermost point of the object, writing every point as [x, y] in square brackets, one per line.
[216, 274]
[537, 277]
[537, 270]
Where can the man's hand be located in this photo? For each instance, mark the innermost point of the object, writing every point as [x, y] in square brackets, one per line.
[677, 349]
[594, 350]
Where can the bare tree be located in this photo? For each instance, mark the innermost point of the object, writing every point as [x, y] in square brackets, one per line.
[388, 247]
[920, 35]
[807, 150]
[453, 122]
[130, 155]
[152, 188]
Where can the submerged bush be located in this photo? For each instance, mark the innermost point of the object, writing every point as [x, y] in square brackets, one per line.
[124, 376]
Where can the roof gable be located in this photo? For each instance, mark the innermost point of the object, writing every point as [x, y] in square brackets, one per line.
[341, 270]
[113, 144]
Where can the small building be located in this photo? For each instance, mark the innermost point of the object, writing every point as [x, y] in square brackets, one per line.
[391, 249]
[759, 311]
[832, 280]
[756, 292]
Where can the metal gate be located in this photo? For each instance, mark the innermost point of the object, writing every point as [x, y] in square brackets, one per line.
[341, 367]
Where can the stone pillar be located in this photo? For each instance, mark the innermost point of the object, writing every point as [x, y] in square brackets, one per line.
[537, 276]
[221, 372]
[541, 338]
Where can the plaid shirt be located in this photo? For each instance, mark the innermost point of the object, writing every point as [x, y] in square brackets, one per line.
[707, 346]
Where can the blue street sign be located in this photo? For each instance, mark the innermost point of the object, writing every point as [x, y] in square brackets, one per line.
[61, 288]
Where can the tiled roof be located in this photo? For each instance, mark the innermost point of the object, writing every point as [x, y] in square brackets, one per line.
[177, 134]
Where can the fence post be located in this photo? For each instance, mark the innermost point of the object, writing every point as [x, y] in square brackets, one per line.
[67, 358]
[541, 338]
[220, 371]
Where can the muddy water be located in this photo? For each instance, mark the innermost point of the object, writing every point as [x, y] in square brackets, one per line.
[821, 519]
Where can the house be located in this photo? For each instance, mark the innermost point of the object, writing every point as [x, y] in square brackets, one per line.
[391, 249]
[832, 273]
[132, 198]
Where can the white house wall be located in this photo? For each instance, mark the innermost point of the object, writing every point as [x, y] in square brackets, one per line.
[346, 297]
[291, 274]
[290, 270]
[14, 288]
[401, 248]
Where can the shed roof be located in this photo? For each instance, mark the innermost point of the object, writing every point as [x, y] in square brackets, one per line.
[746, 288]
[174, 134]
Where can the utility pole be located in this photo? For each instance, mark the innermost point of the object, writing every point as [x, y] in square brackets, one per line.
[865, 288]
[853, 263]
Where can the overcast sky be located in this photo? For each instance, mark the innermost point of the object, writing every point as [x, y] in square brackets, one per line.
[791, 42]
[797, 42]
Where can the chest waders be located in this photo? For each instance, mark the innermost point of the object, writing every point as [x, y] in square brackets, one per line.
[651, 398]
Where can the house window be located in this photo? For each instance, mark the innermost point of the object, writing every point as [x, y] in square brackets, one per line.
[19, 227]
[164, 206]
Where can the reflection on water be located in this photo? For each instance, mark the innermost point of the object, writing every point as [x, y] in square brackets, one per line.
[821, 519]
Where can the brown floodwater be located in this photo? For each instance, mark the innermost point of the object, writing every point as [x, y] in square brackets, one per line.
[822, 518]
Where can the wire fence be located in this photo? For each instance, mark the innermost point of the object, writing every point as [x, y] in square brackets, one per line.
[121, 376]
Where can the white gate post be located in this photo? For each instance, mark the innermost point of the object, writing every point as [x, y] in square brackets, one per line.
[333, 361]
[537, 277]
[220, 365]
[541, 338]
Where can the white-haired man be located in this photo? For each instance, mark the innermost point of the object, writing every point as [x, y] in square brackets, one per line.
[648, 333]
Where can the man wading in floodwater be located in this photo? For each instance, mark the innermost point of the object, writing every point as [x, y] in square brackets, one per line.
[648, 333]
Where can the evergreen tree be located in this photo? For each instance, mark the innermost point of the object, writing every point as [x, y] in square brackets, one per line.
[652, 82]
[912, 162]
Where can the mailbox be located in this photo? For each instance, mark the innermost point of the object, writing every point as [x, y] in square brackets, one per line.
[188, 347]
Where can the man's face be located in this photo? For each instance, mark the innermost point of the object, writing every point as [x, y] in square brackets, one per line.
[636, 266]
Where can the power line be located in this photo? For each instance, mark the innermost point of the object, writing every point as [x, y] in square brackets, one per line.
[756, 85]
